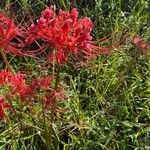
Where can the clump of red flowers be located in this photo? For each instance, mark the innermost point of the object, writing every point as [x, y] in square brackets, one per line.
[16, 86]
[51, 94]
[9, 35]
[66, 34]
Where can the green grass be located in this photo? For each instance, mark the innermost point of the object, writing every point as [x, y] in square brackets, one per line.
[109, 101]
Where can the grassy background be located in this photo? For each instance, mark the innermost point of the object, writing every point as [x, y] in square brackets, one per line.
[109, 101]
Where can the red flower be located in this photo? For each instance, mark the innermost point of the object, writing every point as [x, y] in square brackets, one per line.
[66, 34]
[3, 105]
[25, 92]
[7, 77]
[17, 84]
[8, 31]
[17, 87]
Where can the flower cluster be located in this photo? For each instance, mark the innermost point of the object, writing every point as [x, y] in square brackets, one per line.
[9, 35]
[51, 95]
[17, 86]
[65, 33]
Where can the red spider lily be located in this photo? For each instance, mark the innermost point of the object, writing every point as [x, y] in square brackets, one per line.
[8, 31]
[3, 105]
[8, 77]
[26, 92]
[51, 95]
[5, 77]
[17, 84]
[66, 34]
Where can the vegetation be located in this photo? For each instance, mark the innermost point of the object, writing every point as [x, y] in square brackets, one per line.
[102, 103]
